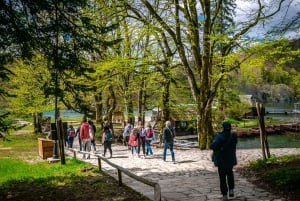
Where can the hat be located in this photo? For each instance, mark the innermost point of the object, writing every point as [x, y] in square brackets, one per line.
[226, 125]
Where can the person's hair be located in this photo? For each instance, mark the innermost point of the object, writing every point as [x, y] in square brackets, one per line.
[105, 128]
[226, 125]
[148, 124]
[168, 123]
[134, 131]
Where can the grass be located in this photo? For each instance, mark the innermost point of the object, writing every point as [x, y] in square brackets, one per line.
[280, 175]
[25, 176]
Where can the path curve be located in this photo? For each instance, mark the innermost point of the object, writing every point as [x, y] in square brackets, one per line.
[192, 178]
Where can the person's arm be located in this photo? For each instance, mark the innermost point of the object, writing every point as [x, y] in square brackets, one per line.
[81, 131]
[216, 142]
[164, 135]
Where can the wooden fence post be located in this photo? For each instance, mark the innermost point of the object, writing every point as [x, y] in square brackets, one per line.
[99, 163]
[120, 177]
[157, 192]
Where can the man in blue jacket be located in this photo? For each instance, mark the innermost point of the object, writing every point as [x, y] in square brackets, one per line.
[224, 157]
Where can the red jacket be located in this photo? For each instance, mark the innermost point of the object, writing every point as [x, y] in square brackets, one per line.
[84, 130]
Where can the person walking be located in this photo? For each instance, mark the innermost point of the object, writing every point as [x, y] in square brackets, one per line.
[141, 137]
[71, 134]
[93, 134]
[126, 133]
[85, 137]
[149, 136]
[107, 138]
[168, 140]
[224, 158]
[77, 134]
[133, 141]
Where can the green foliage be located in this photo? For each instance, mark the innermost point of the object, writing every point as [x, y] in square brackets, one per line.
[285, 178]
[26, 84]
[275, 171]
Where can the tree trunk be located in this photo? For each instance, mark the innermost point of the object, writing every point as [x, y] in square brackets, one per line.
[98, 108]
[263, 135]
[204, 126]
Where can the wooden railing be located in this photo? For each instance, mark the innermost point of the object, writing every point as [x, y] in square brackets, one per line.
[156, 186]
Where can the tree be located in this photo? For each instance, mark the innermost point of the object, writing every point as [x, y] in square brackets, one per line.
[197, 43]
[26, 85]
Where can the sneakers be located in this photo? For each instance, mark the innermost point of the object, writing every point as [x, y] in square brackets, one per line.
[231, 194]
[225, 198]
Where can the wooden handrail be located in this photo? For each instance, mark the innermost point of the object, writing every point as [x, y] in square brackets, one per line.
[156, 186]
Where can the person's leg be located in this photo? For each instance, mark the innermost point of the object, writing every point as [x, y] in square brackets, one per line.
[127, 140]
[71, 139]
[165, 151]
[144, 146]
[131, 150]
[105, 147]
[88, 147]
[84, 146]
[109, 147]
[147, 147]
[80, 143]
[139, 146]
[223, 183]
[172, 151]
[93, 142]
[150, 148]
[230, 180]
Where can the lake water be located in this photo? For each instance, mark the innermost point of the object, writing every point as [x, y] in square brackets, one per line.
[289, 140]
[63, 113]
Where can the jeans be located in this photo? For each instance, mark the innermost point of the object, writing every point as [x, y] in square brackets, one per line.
[170, 146]
[80, 143]
[148, 147]
[86, 145]
[93, 142]
[226, 177]
[70, 141]
[133, 150]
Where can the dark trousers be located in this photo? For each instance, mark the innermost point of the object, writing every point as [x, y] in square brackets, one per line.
[141, 143]
[107, 145]
[226, 179]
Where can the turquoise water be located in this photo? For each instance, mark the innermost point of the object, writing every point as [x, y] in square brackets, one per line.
[63, 113]
[289, 140]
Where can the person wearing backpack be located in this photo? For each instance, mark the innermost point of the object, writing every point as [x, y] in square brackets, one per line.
[168, 140]
[71, 134]
[224, 157]
[107, 138]
[149, 136]
[141, 137]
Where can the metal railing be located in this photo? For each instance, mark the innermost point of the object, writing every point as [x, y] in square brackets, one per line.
[156, 186]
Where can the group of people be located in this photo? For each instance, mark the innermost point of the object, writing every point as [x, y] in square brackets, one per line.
[86, 133]
[223, 146]
[140, 138]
